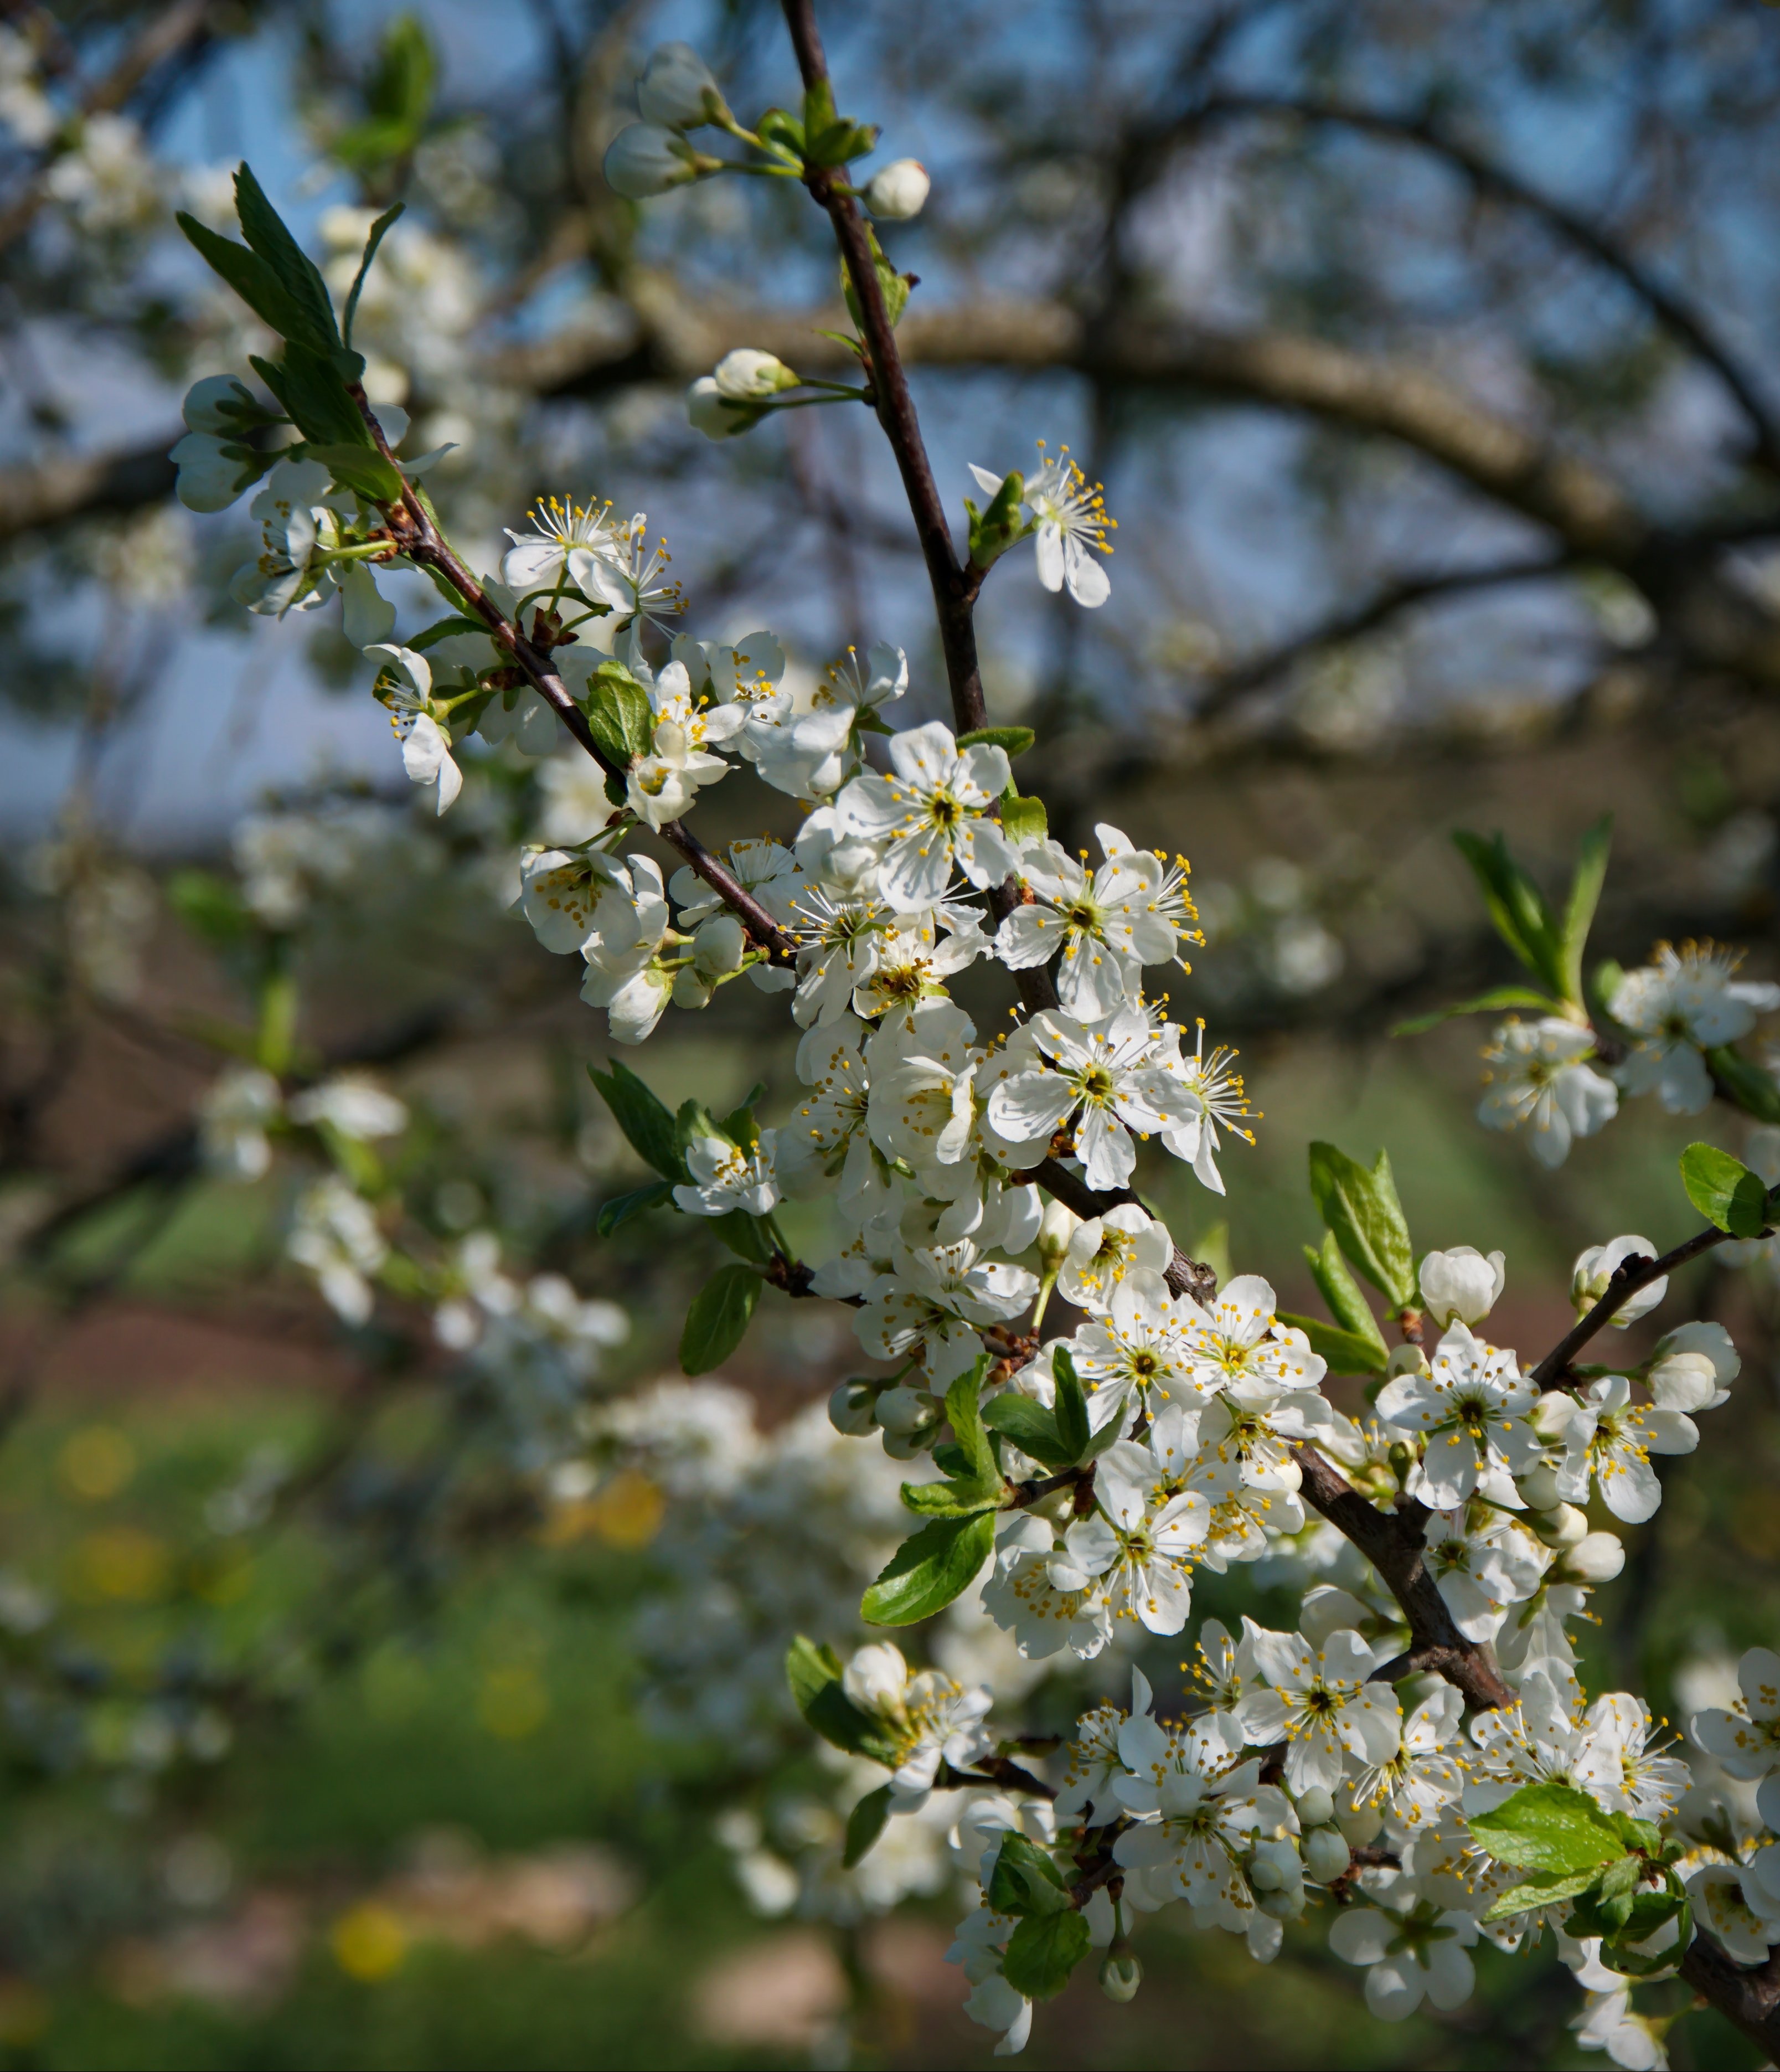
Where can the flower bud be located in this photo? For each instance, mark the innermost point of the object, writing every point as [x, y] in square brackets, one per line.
[1550, 1416]
[677, 90]
[1712, 1340]
[1265, 1875]
[719, 945]
[1315, 1808]
[746, 375]
[1686, 1381]
[690, 990]
[644, 159]
[899, 190]
[708, 411]
[1359, 1824]
[1283, 1905]
[904, 1411]
[851, 1408]
[1406, 1359]
[207, 474]
[1120, 1976]
[1562, 1526]
[1460, 1283]
[1060, 1225]
[1539, 1485]
[876, 1678]
[1596, 1267]
[1326, 1854]
[1597, 1557]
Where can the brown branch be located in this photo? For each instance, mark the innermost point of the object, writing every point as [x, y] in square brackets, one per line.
[1629, 1276]
[1748, 2000]
[1490, 178]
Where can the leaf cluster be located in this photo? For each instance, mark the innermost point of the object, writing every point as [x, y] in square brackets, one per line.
[1051, 1936]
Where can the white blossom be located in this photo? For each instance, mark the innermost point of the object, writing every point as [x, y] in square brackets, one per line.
[1685, 1002]
[1538, 1076]
[1322, 1703]
[931, 816]
[1594, 1270]
[1470, 1409]
[727, 1177]
[1067, 515]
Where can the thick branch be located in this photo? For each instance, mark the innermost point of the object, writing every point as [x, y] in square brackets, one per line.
[1749, 1999]
[1629, 1276]
[1392, 1541]
[1488, 177]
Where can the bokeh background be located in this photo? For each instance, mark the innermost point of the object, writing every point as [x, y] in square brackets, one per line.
[1426, 351]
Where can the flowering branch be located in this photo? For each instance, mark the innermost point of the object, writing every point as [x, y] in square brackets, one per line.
[1629, 1276]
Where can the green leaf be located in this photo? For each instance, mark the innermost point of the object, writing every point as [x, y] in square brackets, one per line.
[993, 531]
[1023, 820]
[814, 1674]
[1012, 740]
[840, 142]
[1071, 1413]
[938, 1564]
[622, 1207]
[295, 272]
[1492, 1002]
[211, 907]
[818, 108]
[864, 1824]
[312, 392]
[1579, 910]
[249, 275]
[1362, 1209]
[1042, 1952]
[1346, 1352]
[360, 469]
[1724, 1190]
[778, 127]
[1517, 906]
[379, 230]
[1339, 1289]
[619, 716]
[966, 1420]
[1024, 1879]
[445, 629]
[952, 1499]
[893, 286]
[744, 1235]
[1744, 1084]
[647, 1122]
[1549, 1827]
[1031, 1427]
[1540, 1892]
[717, 1321]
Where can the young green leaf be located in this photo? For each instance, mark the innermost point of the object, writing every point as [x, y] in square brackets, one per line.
[1362, 1209]
[1492, 1002]
[315, 397]
[1517, 906]
[993, 531]
[1553, 1828]
[1579, 910]
[1024, 1879]
[929, 1569]
[378, 231]
[1544, 1891]
[1724, 1190]
[1031, 1427]
[1042, 1952]
[247, 274]
[618, 1211]
[814, 1674]
[647, 1122]
[1346, 1352]
[966, 1420]
[864, 1824]
[1339, 1289]
[718, 1319]
[295, 272]
[1743, 1082]
[619, 716]
[1071, 1412]
[1013, 740]
[1023, 820]
[360, 469]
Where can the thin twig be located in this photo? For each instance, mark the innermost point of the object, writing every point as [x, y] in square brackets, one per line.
[1630, 1275]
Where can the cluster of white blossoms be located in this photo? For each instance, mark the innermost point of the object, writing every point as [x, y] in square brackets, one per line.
[1069, 1488]
[1673, 1012]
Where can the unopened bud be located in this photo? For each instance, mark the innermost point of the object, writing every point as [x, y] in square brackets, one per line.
[907, 1411]
[1283, 1905]
[1265, 1875]
[1055, 1232]
[1596, 1558]
[899, 190]
[1550, 1416]
[1562, 1526]
[645, 159]
[1120, 1976]
[1359, 1824]
[746, 376]
[1326, 1854]
[1315, 1808]
[708, 411]
[1406, 1359]
[851, 1407]
[1539, 1485]
[677, 90]
[690, 990]
[1684, 1382]
[718, 947]
[1595, 1269]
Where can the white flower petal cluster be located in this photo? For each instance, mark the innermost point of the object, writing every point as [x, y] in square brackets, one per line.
[1065, 514]
[1539, 1077]
[1685, 1002]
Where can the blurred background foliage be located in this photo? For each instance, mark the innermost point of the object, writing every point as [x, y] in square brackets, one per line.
[1425, 351]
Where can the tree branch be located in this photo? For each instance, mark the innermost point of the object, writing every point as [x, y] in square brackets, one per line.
[1489, 177]
[1629, 1276]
